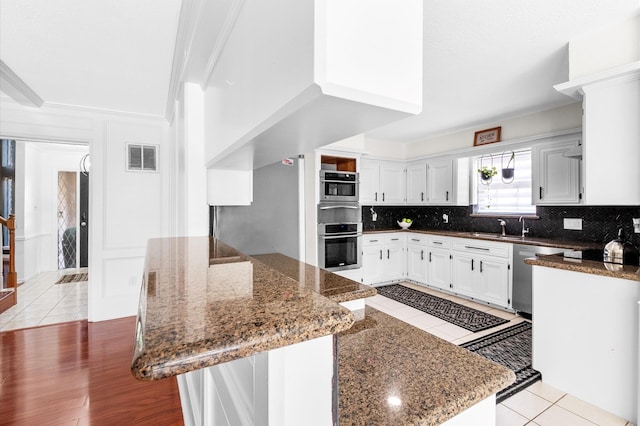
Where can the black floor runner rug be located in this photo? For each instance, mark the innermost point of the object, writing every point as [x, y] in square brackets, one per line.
[455, 313]
[511, 348]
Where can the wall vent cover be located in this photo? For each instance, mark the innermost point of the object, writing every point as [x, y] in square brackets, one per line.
[142, 158]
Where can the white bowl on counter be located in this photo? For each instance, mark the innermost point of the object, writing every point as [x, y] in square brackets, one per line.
[404, 225]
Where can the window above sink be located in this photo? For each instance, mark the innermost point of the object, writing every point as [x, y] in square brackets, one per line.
[510, 194]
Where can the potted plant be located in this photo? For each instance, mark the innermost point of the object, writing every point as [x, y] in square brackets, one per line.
[509, 171]
[487, 174]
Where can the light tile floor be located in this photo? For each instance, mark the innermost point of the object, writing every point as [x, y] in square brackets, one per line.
[41, 302]
[538, 405]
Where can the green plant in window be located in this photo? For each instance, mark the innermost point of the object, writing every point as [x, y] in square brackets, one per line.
[486, 173]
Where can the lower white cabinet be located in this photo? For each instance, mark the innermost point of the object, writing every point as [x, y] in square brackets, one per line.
[482, 270]
[383, 257]
[417, 258]
[476, 269]
[439, 266]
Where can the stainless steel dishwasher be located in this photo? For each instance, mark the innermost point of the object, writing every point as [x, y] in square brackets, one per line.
[522, 278]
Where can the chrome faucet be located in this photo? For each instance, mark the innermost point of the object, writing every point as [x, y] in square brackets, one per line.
[524, 230]
[503, 224]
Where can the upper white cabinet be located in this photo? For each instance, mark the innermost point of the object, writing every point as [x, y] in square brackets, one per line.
[611, 131]
[440, 188]
[556, 173]
[417, 183]
[382, 182]
[448, 182]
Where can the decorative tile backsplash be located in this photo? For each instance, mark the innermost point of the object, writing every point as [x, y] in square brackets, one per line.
[599, 224]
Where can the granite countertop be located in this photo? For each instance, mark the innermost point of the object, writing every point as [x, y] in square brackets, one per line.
[627, 272]
[514, 239]
[335, 287]
[203, 303]
[433, 380]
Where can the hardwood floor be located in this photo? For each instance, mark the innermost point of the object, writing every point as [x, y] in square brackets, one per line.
[78, 373]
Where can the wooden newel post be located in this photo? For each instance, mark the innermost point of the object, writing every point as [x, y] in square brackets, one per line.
[12, 275]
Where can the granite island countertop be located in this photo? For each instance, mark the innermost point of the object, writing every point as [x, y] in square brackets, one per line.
[203, 303]
[335, 287]
[593, 267]
[430, 379]
[514, 239]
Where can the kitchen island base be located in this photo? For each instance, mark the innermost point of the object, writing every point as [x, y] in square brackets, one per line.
[284, 386]
[585, 337]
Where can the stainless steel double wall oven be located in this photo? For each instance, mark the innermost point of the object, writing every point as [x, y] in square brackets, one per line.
[339, 222]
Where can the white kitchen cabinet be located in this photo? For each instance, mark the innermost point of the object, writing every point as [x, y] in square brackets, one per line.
[448, 182]
[556, 176]
[439, 258]
[383, 257]
[417, 183]
[382, 182]
[395, 262]
[417, 258]
[482, 270]
[440, 182]
[372, 258]
[369, 181]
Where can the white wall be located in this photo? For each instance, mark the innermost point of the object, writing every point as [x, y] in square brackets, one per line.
[126, 208]
[37, 233]
[562, 118]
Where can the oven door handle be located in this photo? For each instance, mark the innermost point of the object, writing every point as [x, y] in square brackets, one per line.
[334, 237]
[338, 207]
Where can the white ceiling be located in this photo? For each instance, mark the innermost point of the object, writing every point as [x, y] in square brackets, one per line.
[110, 54]
[483, 60]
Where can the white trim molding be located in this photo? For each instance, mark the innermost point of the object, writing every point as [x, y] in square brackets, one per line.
[17, 89]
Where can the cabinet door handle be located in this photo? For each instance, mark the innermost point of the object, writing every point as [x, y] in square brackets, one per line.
[380, 254]
[387, 253]
[383, 196]
[373, 241]
[395, 239]
[541, 193]
[481, 266]
[447, 195]
[421, 254]
[438, 242]
[376, 195]
[415, 239]
[472, 264]
[429, 257]
[422, 196]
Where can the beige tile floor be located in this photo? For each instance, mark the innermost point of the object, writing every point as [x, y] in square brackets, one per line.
[538, 405]
[41, 302]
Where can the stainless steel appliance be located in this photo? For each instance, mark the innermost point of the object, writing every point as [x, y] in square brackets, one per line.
[522, 279]
[339, 246]
[339, 186]
[339, 236]
[620, 251]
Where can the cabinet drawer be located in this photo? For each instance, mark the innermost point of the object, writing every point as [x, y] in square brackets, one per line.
[395, 238]
[373, 239]
[482, 247]
[418, 239]
[439, 242]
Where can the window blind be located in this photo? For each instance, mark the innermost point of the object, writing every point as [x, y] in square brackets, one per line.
[502, 198]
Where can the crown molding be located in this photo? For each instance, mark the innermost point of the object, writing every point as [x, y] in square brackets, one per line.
[221, 41]
[17, 89]
[573, 88]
